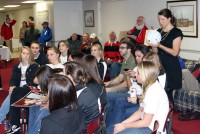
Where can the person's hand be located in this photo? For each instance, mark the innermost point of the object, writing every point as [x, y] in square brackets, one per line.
[132, 100]
[107, 83]
[118, 128]
[129, 32]
[11, 89]
[119, 61]
[155, 45]
[132, 73]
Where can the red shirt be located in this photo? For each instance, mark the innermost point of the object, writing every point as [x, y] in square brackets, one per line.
[6, 31]
[112, 51]
[140, 38]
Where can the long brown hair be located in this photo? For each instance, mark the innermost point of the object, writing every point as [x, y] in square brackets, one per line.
[62, 93]
[89, 62]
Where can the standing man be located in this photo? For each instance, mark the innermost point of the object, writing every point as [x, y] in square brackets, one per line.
[7, 32]
[118, 84]
[46, 34]
[112, 55]
[137, 34]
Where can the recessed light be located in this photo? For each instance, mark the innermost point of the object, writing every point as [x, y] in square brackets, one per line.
[31, 1]
[11, 6]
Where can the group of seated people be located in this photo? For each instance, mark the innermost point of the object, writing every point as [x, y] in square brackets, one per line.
[74, 91]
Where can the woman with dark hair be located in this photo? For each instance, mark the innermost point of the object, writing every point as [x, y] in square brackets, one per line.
[35, 114]
[65, 114]
[22, 32]
[86, 98]
[76, 57]
[64, 47]
[95, 82]
[168, 49]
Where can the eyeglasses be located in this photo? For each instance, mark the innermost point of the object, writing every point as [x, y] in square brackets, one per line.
[139, 20]
[122, 47]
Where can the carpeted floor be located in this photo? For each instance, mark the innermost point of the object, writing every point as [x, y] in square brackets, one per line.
[178, 127]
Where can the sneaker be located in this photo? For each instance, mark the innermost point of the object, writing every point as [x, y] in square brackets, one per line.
[13, 129]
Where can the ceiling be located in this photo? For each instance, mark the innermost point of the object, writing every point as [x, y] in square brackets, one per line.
[15, 2]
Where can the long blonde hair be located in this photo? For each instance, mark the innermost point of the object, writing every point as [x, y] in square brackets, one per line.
[149, 73]
[31, 59]
[99, 47]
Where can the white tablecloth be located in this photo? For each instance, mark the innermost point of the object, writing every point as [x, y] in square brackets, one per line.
[5, 53]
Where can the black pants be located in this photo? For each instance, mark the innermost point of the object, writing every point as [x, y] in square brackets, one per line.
[14, 112]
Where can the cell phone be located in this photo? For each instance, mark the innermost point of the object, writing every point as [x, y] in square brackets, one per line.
[126, 69]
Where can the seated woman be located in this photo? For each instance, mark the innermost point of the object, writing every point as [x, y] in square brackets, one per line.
[65, 114]
[63, 47]
[37, 113]
[53, 57]
[95, 83]
[20, 83]
[151, 108]
[86, 98]
[118, 102]
[97, 51]
[76, 57]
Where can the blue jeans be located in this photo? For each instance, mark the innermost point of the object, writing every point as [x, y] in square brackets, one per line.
[111, 100]
[5, 107]
[144, 130]
[114, 69]
[35, 118]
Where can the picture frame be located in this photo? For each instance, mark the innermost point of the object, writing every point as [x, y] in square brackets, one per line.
[186, 14]
[89, 18]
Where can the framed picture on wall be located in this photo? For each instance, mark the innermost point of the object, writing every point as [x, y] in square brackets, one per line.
[186, 15]
[89, 18]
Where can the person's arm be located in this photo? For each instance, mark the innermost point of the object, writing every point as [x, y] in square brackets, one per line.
[145, 122]
[2, 32]
[117, 87]
[141, 36]
[116, 80]
[13, 22]
[174, 51]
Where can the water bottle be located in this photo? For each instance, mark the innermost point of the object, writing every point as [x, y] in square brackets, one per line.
[5, 124]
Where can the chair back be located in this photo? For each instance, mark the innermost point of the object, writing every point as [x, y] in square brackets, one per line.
[93, 126]
[5, 78]
[168, 115]
[155, 128]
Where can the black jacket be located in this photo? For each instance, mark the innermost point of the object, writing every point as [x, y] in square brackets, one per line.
[30, 74]
[88, 103]
[99, 91]
[62, 121]
[42, 59]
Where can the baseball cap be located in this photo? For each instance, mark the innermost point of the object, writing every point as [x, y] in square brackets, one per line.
[45, 23]
[93, 35]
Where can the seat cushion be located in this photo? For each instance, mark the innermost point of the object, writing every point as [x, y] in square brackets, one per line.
[184, 99]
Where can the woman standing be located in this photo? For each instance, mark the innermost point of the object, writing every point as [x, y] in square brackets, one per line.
[168, 49]
[22, 32]
[63, 47]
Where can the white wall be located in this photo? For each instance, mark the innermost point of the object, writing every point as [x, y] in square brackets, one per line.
[44, 6]
[19, 16]
[68, 19]
[120, 15]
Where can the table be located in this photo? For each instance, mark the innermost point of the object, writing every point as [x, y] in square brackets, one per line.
[5, 53]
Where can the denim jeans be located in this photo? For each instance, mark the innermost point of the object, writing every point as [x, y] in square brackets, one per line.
[35, 118]
[114, 69]
[111, 100]
[144, 130]
[4, 108]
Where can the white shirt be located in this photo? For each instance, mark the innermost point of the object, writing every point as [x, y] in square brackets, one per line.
[63, 59]
[23, 75]
[59, 65]
[156, 103]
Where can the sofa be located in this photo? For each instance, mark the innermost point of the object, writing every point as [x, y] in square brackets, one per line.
[188, 98]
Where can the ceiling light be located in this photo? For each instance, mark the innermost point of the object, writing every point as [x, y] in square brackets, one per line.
[2, 8]
[31, 1]
[11, 6]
